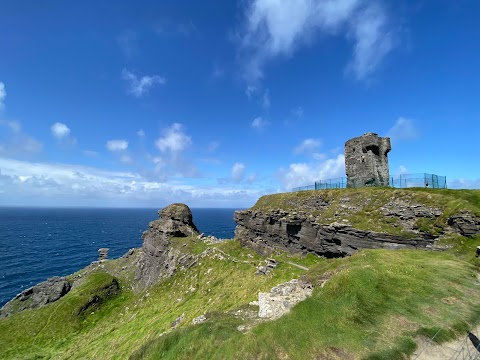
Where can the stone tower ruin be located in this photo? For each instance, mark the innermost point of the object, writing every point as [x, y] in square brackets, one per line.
[366, 161]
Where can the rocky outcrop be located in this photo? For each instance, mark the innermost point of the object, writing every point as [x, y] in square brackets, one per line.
[280, 230]
[282, 298]
[175, 220]
[158, 259]
[465, 223]
[300, 232]
[37, 296]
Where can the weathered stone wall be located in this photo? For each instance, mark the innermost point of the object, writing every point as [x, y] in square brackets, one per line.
[366, 160]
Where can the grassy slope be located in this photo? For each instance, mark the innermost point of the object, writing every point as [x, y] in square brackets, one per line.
[373, 306]
[363, 205]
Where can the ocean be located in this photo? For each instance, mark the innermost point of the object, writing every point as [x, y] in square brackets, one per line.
[38, 243]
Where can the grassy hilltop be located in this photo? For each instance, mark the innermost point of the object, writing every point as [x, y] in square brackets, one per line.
[375, 304]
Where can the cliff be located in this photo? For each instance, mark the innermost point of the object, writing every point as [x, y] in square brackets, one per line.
[187, 296]
[336, 223]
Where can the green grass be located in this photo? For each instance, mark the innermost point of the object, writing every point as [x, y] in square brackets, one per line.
[362, 207]
[43, 332]
[375, 304]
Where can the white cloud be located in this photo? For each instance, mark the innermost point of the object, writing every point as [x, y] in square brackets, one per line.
[141, 86]
[60, 130]
[250, 91]
[117, 145]
[404, 129]
[278, 28]
[3, 95]
[373, 41]
[302, 174]
[307, 146]
[259, 123]
[173, 140]
[238, 172]
[141, 133]
[35, 183]
[262, 97]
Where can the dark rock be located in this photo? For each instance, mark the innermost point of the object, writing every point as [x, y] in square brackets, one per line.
[37, 296]
[157, 258]
[177, 321]
[103, 254]
[175, 220]
[465, 223]
[266, 232]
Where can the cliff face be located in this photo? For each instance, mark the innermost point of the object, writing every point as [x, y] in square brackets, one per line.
[337, 223]
[158, 259]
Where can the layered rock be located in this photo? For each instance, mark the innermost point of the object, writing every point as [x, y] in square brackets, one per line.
[465, 223]
[37, 296]
[300, 232]
[157, 258]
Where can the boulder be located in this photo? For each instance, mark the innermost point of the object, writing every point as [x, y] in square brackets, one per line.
[37, 296]
[175, 220]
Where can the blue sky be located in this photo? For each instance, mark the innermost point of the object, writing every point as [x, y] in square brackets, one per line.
[128, 103]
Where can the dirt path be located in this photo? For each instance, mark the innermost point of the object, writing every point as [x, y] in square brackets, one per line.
[298, 266]
[460, 349]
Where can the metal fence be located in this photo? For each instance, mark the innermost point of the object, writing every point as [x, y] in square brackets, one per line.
[431, 181]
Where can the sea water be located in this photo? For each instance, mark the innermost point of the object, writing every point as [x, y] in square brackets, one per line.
[38, 243]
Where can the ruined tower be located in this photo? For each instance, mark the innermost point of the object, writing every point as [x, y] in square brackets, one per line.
[366, 160]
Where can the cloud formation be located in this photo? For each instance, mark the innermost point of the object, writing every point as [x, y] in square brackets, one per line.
[36, 183]
[116, 145]
[259, 123]
[279, 28]
[307, 146]
[404, 129]
[173, 140]
[238, 172]
[140, 86]
[3, 95]
[15, 142]
[302, 174]
[60, 130]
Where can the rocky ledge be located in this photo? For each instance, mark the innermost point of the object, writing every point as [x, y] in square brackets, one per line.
[298, 231]
[37, 296]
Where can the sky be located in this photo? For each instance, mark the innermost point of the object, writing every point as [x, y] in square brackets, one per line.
[216, 103]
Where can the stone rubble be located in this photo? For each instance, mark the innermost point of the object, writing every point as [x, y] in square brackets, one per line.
[270, 265]
[282, 298]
